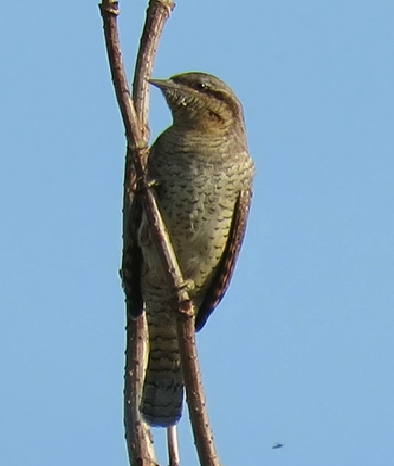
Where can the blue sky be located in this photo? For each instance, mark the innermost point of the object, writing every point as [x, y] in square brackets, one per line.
[301, 349]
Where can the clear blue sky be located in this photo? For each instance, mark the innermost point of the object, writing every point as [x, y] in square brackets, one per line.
[301, 350]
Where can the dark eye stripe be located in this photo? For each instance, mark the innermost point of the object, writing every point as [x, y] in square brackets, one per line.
[217, 94]
[207, 89]
[204, 88]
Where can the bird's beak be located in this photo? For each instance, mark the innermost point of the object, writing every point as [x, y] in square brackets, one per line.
[162, 84]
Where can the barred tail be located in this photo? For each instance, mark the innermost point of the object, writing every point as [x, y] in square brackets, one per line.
[162, 394]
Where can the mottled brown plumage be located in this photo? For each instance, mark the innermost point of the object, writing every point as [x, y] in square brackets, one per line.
[203, 175]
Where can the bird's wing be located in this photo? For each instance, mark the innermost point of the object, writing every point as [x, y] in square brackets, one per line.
[131, 280]
[132, 254]
[222, 278]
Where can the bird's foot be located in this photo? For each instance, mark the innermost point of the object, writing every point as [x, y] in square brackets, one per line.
[187, 285]
[152, 184]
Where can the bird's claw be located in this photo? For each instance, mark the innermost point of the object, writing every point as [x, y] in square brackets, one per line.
[187, 285]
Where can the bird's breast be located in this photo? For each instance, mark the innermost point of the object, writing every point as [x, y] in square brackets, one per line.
[198, 182]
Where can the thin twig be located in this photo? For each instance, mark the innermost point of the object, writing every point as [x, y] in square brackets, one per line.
[157, 15]
[173, 447]
[195, 395]
[137, 433]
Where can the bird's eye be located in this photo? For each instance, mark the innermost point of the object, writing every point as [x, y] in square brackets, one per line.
[200, 86]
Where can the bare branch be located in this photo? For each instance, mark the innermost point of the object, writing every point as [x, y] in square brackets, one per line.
[195, 395]
[109, 11]
[157, 14]
[173, 447]
[137, 433]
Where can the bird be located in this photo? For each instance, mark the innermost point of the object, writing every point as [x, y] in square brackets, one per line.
[277, 445]
[202, 174]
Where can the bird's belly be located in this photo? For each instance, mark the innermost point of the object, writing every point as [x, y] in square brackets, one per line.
[196, 200]
[199, 238]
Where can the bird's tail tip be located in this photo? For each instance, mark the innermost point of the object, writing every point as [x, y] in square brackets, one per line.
[161, 405]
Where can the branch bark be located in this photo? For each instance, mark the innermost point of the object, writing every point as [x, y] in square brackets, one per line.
[173, 447]
[135, 121]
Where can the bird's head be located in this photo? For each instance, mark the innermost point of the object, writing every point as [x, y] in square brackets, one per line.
[200, 100]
